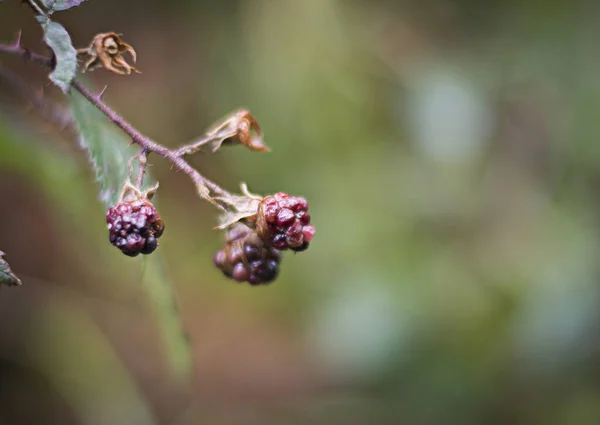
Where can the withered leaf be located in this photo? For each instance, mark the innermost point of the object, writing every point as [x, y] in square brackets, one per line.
[238, 128]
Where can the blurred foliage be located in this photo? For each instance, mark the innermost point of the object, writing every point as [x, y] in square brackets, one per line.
[449, 153]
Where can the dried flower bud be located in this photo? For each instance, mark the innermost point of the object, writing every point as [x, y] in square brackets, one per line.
[106, 50]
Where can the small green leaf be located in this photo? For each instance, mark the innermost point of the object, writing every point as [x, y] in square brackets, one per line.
[57, 38]
[7, 277]
[58, 5]
[108, 148]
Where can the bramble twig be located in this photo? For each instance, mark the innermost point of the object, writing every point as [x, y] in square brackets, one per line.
[145, 143]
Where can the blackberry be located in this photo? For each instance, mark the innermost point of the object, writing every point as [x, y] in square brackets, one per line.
[283, 222]
[246, 258]
[134, 227]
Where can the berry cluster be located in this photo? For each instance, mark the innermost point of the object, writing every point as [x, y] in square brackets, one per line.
[134, 227]
[252, 249]
[251, 252]
[283, 222]
[246, 258]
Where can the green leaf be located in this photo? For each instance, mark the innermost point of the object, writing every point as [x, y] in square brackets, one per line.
[108, 149]
[58, 5]
[7, 277]
[57, 38]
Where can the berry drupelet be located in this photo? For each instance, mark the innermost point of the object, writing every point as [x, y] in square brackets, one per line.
[134, 227]
[246, 258]
[283, 222]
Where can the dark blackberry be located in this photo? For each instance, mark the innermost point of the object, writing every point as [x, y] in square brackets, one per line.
[246, 258]
[134, 227]
[283, 221]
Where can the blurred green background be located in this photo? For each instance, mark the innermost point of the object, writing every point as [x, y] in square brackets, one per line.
[449, 152]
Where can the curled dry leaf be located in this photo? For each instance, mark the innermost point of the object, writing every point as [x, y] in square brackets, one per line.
[239, 127]
[245, 125]
[7, 277]
[106, 50]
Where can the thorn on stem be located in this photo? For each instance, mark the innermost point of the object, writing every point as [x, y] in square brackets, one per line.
[17, 44]
[101, 93]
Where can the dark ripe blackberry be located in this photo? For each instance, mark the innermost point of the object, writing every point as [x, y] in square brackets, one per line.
[283, 222]
[263, 271]
[246, 258]
[134, 227]
[150, 245]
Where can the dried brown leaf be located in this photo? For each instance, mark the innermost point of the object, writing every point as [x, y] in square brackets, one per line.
[241, 127]
[238, 128]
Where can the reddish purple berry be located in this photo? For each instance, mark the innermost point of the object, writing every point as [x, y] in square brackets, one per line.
[134, 227]
[246, 258]
[283, 222]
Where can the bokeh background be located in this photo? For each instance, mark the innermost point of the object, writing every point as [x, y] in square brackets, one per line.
[449, 152]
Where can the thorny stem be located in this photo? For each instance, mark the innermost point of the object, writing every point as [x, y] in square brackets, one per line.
[146, 144]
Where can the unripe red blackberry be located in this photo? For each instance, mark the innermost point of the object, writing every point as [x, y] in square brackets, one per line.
[283, 222]
[134, 227]
[246, 258]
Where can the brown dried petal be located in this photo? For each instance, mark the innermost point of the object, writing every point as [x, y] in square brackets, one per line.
[124, 47]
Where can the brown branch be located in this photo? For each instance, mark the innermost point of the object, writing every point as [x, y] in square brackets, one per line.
[146, 144]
